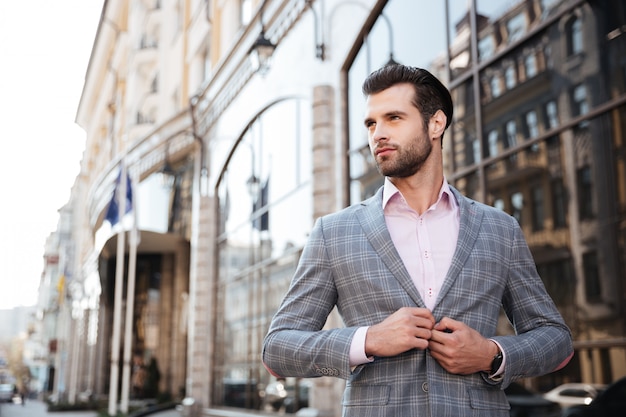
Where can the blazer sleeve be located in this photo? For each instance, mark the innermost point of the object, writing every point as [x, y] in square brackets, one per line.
[543, 341]
[297, 345]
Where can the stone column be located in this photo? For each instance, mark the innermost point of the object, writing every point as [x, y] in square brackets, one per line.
[326, 392]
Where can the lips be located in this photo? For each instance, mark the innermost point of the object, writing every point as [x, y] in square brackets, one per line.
[383, 151]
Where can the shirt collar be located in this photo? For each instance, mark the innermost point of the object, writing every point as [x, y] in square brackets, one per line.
[390, 190]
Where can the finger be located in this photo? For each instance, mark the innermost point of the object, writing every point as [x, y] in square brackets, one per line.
[447, 325]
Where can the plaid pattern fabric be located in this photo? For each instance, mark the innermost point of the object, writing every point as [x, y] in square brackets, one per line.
[350, 262]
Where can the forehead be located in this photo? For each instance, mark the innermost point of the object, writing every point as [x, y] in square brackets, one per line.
[399, 96]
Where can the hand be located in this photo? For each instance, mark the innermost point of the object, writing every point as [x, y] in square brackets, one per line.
[406, 329]
[459, 349]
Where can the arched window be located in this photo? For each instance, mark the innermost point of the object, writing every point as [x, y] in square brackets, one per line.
[574, 36]
[265, 213]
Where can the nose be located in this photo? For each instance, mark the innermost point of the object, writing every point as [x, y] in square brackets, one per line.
[378, 133]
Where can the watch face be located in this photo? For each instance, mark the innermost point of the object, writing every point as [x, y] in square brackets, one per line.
[497, 361]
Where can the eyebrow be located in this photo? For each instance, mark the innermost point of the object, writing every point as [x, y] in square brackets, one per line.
[387, 115]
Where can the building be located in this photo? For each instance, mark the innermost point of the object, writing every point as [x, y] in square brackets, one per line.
[253, 150]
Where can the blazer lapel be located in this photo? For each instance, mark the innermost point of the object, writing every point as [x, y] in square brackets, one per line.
[372, 221]
[470, 218]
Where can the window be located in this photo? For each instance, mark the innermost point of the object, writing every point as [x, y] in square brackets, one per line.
[559, 206]
[496, 91]
[532, 125]
[558, 278]
[547, 6]
[499, 204]
[511, 134]
[486, 47]
[516, 27]
[593, 289]
[579, 104]
[585, 196]
[257, 250]
[530, 64]
[579, 101]
[509, 77]
[517, 205]
[492, 141]
[551, 115]
[476, 149]
[537, 207]
[245, 12]
[574, 34]
[206, 65]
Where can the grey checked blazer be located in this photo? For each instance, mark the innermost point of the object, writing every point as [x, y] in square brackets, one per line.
[350, 262]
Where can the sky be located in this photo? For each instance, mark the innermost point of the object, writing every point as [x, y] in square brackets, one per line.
[45, 47]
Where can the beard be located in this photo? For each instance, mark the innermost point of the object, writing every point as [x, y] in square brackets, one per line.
[405, 161]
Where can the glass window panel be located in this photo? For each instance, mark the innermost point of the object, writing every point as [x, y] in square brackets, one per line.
[517, 206]
[593, 289]
[552, 118]
[493, 138]
[459, 35]
[532, 124]
[574, 32]
[530, 64]
[580, 100]
[511, 134]
[495, 86]
[265, 202]
[537, 207]
[585, 193]
[559, 203]
[516, 27]
[403, 21]
[509, 75]
[486, 47]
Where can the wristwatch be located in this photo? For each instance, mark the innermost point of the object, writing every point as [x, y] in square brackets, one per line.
[496, 362]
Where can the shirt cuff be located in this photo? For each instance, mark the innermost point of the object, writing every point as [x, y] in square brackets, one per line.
[357, 348]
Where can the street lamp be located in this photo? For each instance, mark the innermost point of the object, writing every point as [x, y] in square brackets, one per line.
[167, 173]
[262, 49]
[261, 53]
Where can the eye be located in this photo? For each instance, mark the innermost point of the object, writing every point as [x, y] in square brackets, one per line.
[369, 123]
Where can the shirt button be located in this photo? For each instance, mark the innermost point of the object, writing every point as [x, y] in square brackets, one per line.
[425, 386]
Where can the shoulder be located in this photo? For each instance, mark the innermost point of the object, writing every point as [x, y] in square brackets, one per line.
[370, 207]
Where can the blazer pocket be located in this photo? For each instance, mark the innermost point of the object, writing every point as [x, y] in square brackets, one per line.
[366, 395]
[493, 399]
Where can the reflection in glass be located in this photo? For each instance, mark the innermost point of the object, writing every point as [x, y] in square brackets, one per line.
[265, 206]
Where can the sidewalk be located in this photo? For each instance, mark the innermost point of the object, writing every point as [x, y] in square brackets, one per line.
[36, 408]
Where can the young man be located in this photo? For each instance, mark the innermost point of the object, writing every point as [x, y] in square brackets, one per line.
[419, 274]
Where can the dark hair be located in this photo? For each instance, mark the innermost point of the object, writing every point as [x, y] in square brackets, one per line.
[430, 94]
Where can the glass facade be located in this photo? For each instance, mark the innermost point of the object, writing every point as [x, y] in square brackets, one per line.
[537, 132]
[265, 195]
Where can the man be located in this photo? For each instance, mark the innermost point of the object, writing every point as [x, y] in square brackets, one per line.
[419, 274]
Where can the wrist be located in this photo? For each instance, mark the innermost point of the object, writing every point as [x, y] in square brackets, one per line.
[496, 359]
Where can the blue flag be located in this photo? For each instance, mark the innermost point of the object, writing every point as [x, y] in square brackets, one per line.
[113, 211]
[261, 222]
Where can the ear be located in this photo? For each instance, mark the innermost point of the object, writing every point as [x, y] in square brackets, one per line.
[437, 124]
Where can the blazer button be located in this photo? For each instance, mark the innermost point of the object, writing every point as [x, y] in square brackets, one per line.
[425, 386]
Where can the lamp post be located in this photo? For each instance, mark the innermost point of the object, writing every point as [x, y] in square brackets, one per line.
[261, 51]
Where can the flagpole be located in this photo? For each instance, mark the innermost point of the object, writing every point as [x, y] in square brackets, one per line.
[130, 307]
[117, 303]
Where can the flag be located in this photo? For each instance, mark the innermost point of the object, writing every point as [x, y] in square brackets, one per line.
[262, 222]
[113, 210]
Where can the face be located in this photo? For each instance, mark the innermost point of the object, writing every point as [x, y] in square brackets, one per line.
[397, 136]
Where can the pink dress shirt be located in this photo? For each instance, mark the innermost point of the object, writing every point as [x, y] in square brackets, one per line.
[433, 235]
